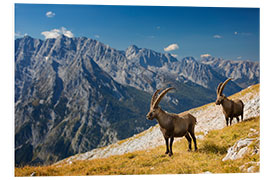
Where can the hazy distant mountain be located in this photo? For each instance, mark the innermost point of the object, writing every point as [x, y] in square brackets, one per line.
[153, 67]
[244, 73]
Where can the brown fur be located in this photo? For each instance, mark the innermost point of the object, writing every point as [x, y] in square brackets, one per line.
[172, 125]
[231, 108]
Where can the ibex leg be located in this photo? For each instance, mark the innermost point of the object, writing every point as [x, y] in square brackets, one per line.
[227, 121]
[231, 118]
[171, 143]
[167, 145]
[189, 141]
[194, 140]
[237, 119]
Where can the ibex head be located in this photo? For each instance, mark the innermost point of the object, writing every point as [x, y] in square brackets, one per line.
[154, 109]
[220, 96]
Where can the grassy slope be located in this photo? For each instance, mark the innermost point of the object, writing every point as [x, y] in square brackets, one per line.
[208, 158]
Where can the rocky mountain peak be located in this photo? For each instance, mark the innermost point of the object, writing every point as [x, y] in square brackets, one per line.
[190, 59]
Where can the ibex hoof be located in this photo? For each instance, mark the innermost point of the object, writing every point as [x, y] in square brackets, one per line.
[170, 154]
[167, 152]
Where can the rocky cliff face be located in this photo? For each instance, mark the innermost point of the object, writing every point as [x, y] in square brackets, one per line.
[76, 94]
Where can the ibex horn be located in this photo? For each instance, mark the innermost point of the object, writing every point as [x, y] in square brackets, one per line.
[155, 104]
[223, 85]
[154, 97]
[218, 88]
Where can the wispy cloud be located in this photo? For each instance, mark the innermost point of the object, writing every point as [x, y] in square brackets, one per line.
[239, 57]
[50, 14]
[242, 33]
[54, 33]
[217, 36]
[205, 55]
[19, 34]
[171, 47]
[97, 36]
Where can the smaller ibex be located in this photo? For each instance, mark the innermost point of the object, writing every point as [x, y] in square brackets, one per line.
[172, 125]
[231, 108]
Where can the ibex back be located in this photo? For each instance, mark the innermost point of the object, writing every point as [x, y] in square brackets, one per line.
[172, 125]
[231, 108]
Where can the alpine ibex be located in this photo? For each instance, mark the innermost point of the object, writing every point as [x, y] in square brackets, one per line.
[172, 125]
[231, 108]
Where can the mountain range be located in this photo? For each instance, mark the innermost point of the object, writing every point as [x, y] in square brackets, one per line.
[76, 94]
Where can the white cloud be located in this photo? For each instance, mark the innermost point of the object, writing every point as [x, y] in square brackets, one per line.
[239, 57]
[171, 47]
[205, 55]
[217, 36]
[50, 14]
[97, 36]
[174, 55]
[54, 33]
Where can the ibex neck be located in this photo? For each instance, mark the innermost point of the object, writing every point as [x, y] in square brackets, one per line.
[163, 118]
[226, 104]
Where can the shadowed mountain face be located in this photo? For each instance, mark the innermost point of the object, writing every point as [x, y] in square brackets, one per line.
[76, 94]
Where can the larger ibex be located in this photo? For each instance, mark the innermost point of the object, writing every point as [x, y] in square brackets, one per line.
[172, 125]
[231, 108]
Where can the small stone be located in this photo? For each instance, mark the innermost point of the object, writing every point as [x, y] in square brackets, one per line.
[251, 169]
[200, 137]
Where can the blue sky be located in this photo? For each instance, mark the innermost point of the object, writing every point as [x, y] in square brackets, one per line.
[229, 33]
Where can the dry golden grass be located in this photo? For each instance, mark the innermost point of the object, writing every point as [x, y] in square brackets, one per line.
[153, 161]
[252, 89]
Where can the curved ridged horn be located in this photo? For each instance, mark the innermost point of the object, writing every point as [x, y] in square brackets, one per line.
[155, 104]
[223, 85]
[154, 97]
[218, 88]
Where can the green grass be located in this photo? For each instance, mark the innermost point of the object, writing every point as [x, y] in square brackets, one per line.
[153, 161]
